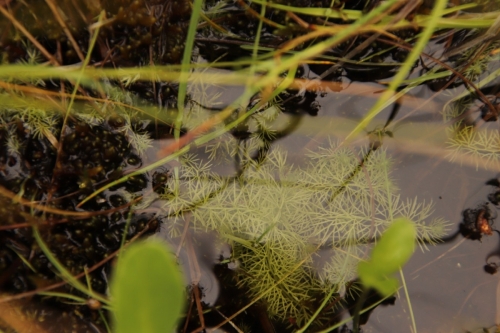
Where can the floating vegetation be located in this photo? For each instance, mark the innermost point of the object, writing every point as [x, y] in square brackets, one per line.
[277, 216]
[466, 139]
[475, 61]
[86, 86]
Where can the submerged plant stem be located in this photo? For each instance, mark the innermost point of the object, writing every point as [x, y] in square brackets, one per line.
[412, 316]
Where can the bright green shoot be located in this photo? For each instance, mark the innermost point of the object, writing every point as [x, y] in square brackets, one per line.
[147, 290]
[393, 250]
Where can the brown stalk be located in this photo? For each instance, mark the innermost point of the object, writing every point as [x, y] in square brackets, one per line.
[257, 15]
[195, 273]
[29, 224]
[191, 135]
[318, 31]
[80, 275]
[11, 315]
[28, 35]
[486, 101]
[65, 28]
[84, 215]
[16, 199]
[38, 91]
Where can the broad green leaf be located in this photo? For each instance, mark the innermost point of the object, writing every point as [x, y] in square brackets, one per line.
[147, 290]
[392, 251]
[395, 246]
[386, 286]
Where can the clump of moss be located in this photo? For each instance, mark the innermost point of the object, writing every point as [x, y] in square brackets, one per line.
[34, 169]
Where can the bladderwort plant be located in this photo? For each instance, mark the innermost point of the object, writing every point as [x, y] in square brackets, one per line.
[467, 141]
[275, 215]
[471, 138]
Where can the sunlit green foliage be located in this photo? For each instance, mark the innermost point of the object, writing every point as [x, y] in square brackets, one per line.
[147, 290]
[480, 144]
[475, 60]
[392, 251]
[277, 215]
[45, 121]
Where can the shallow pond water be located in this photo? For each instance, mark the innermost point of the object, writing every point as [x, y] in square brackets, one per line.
[271, 216]
[448, 288]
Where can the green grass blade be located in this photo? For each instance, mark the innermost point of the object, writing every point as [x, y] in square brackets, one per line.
[345, 321]
[63, 295]
[412, 316]
[185, 66]
[66, 275]
[276, 68]
[437, 12]
[84, 65]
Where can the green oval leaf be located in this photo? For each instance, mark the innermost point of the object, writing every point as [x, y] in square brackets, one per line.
[147, 290]
[395, 246]
[386, 286]
[392, 251]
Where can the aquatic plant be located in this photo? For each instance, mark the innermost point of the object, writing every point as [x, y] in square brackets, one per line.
[277, 216]
[466, 140]
[475, 60]
[272, 213]
[393, 250]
